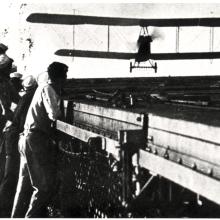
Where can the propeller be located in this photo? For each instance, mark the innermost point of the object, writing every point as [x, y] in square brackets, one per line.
[153, 32]
[156, 34]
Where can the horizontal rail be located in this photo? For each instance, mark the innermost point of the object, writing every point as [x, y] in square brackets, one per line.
[111, 113]
[185, 137]
[109, 145]
[188, 178]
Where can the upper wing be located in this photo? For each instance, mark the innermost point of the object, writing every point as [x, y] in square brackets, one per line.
[116, 21]
[127, 56]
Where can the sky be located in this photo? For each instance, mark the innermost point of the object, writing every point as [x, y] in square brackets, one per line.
[32, 46]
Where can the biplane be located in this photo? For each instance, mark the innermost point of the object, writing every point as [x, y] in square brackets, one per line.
[144, 41]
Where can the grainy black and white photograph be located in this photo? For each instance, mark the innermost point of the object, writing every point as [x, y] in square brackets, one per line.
[109, 109]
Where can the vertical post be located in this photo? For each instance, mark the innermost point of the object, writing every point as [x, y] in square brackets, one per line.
[108, 38]
[126, 163]
[170, 192]
[74, 12]
[62, 109]
[126, 174]
[137, 173]
[69, 112]
[177, 39]
[211, 41]
[130, 141]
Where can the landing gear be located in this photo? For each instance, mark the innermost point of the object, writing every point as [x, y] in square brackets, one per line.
[137, 66]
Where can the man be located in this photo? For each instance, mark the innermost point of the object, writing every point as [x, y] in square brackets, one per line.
[16, 80]
[36, 148]
[8, 95]
[12, 160]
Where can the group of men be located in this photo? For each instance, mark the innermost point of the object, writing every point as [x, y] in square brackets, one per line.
[27, 148]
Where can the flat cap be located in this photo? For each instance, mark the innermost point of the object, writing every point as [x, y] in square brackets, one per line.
[5, 61]
[3, 47]
[16, 75]
[29, 82]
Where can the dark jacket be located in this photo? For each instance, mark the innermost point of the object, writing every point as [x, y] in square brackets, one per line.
[17, 126]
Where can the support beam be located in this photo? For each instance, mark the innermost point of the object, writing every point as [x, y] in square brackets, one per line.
[188, 178]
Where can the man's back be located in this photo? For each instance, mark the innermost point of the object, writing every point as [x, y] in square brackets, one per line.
[43, 110]
[21, 110]
[7, 96]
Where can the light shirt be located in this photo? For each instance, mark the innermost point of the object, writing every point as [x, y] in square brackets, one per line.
[51, 102]
[44, 109]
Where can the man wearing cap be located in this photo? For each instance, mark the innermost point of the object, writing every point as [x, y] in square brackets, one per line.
[36, 148]
[8, 95]
[16, 80]
[9, 183]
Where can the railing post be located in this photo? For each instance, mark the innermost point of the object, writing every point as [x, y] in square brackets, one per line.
[130, 141]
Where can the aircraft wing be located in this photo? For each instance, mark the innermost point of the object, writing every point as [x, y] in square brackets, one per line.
[95, 54]
[65, 19]
[185, 56]
[128, 56]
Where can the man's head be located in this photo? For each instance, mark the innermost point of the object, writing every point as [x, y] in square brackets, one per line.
[57, 71]
[15, 79]
[29, 82]
[5, 66]
[3, 48]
